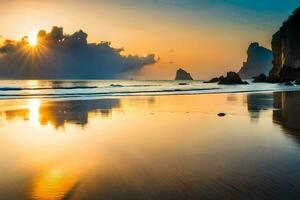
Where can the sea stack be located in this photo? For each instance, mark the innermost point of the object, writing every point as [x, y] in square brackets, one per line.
[182, 75]
[259, 61]
[286, 49]
[232, 78]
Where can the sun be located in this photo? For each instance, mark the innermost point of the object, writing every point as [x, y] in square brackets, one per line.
[32, 39]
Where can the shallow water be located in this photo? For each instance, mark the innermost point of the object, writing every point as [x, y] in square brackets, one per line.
[78, 89]
[155, 147]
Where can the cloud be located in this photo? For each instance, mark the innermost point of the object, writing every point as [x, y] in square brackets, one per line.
[62, 56]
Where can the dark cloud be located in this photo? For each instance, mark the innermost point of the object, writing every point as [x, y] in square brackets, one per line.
[62, 56]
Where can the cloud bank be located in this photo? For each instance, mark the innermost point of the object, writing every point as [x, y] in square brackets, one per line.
[62, 56]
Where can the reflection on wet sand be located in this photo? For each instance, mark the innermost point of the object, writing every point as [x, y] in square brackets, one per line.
[287, 111]
[75, 112]
[64, 180]
[13, 114]
[59, 113]
[285, 106]
[167, 147]
[257, 103]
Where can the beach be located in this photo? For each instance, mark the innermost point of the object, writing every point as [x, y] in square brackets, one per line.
[151, 147]
[150, 100]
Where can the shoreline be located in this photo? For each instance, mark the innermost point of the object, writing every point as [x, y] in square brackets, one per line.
[80, 97]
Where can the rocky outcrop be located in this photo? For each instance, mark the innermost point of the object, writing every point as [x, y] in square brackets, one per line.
[286, 47]
[259, 61]
[221, 114]
[231, 79]
[289, 83]
[273, 78]
[260, 79]
[288, 74]
[215, 80]
[297, 81]
[183, 75]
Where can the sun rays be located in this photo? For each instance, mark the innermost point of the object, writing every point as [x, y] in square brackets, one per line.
[32, 40]
[32, 53]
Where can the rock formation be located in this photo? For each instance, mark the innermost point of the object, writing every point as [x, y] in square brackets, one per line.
[183, 75]
[259, 61]
[215, 80]
[286, 47]
[288, 74]
[221, 114]
[261, 78]
[297, 81]
[231, 79]
[289, 83]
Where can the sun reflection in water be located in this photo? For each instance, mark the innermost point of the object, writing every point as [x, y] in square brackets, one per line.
[32, 83]
[54, 183]
[34, 110]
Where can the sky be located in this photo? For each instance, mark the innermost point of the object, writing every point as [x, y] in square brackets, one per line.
[205, 37]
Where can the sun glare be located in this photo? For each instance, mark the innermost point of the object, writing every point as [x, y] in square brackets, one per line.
[34, 106]
[32, 39]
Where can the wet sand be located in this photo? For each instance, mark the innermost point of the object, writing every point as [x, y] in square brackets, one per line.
[164, 147]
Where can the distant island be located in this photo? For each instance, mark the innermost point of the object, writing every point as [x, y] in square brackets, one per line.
[259, 61]
[183, 75]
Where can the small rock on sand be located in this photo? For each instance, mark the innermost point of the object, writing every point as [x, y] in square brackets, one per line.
[221, 114]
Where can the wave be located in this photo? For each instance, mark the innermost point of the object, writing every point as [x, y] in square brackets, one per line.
[106, 93]
[120, 85]
[123, 88]
[46, 88]
[116, 85]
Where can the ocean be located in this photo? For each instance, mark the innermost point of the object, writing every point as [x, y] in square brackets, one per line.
[74, 89]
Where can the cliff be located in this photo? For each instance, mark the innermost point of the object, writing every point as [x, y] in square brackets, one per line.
[183, 75]
[286, 45]
[259, 61]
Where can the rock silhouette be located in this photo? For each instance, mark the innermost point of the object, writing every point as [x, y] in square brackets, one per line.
[297, 81]
[289, 83]
[183, 75]
[287, 74]
[215, 80]
[259, 61]
[231, 79]
[221, 114]
[261, 78]
[286, 49]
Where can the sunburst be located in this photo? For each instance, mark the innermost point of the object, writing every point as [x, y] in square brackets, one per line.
[32, 39]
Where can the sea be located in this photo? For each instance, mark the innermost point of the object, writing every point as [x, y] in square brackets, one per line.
[84, 89]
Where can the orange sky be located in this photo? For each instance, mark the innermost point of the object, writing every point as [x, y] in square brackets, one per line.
[207, 39]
